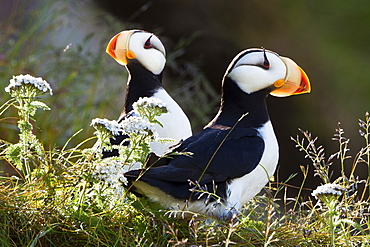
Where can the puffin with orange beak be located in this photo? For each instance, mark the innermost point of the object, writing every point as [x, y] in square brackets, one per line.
[144, 56]
[234, 156]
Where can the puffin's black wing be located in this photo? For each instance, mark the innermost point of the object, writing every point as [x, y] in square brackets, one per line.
[217, 156]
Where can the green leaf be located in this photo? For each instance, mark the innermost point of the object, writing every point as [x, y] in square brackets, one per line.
[40, 104]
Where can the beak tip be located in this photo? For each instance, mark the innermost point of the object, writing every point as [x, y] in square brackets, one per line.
[119, 53]
[296, 80]
[111, 46]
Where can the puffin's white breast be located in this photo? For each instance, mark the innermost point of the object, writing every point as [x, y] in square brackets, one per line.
[176, 124]
[241, 190]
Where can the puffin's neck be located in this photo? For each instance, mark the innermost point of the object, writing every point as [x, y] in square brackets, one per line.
[141, 83]
[235, 103]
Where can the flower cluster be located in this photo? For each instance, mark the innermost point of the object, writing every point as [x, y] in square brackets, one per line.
[111, 170]
[150, 108]
[140, 132]
[104, 124]
[150, 103]
[25, 89]
[328, 193]
[137, 126]
[36, 82]
[328, 189]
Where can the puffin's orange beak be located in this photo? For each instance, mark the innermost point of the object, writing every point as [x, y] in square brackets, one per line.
[118, 47]
[295, 81]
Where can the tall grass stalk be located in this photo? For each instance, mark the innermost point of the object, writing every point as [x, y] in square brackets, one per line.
[344, 217]
[365, 132]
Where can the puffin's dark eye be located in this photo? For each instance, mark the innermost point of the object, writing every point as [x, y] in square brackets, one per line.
[148, 44]
[266, 63]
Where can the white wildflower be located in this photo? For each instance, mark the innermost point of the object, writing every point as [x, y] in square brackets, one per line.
[328, 189]
[151, 103]
[111, 170]
[150, 108]
[37, 82]
[111, 125]
[137, 126]
[328, 193]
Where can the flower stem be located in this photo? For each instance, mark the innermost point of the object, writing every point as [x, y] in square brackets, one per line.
[331, 205]
[332, 228]
[23, 114]
[367, 153]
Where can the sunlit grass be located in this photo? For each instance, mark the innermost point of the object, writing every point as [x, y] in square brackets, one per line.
[63, 204]
[61, 201]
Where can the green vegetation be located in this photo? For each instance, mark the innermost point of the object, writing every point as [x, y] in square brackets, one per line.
[68, 197]
[73, 197]
[58, 198]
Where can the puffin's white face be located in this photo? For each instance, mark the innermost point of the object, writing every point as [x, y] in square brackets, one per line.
[140, 45]
[257, 69]
[149, 51]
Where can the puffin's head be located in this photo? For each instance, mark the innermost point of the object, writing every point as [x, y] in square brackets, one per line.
[257, 69]
[145, 47]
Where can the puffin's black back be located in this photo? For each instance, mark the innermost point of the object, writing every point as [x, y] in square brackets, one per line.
[225, 143]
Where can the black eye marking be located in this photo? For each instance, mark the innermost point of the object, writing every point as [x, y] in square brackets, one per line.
[148, 44]
[266, 63]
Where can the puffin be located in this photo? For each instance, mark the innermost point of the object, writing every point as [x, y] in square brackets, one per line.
[216, 171]
[144, 57]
